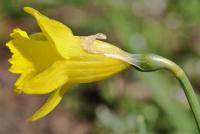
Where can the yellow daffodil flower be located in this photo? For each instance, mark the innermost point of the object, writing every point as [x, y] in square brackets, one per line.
[53, 60]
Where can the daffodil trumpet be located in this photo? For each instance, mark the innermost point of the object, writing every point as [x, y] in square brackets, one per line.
[54, 59]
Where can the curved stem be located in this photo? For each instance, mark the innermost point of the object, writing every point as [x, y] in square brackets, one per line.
[152, 62]
[191, 97]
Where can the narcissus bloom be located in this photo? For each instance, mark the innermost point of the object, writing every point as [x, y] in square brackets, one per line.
[53, 60]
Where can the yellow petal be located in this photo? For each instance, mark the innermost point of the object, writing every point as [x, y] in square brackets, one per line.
[51, 103]
[52, 78]
[35, 54]
[90, 68]
[19, 63]
[57, 33]
[30, 57]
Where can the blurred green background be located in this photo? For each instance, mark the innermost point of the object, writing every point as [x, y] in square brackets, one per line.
[129, 103]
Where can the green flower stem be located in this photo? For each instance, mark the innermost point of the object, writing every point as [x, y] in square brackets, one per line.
[192, 99]
[152, 62]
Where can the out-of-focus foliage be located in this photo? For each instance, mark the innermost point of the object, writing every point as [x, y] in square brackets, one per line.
[165, 27]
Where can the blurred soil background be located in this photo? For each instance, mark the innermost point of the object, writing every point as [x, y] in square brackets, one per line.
[114, 106]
